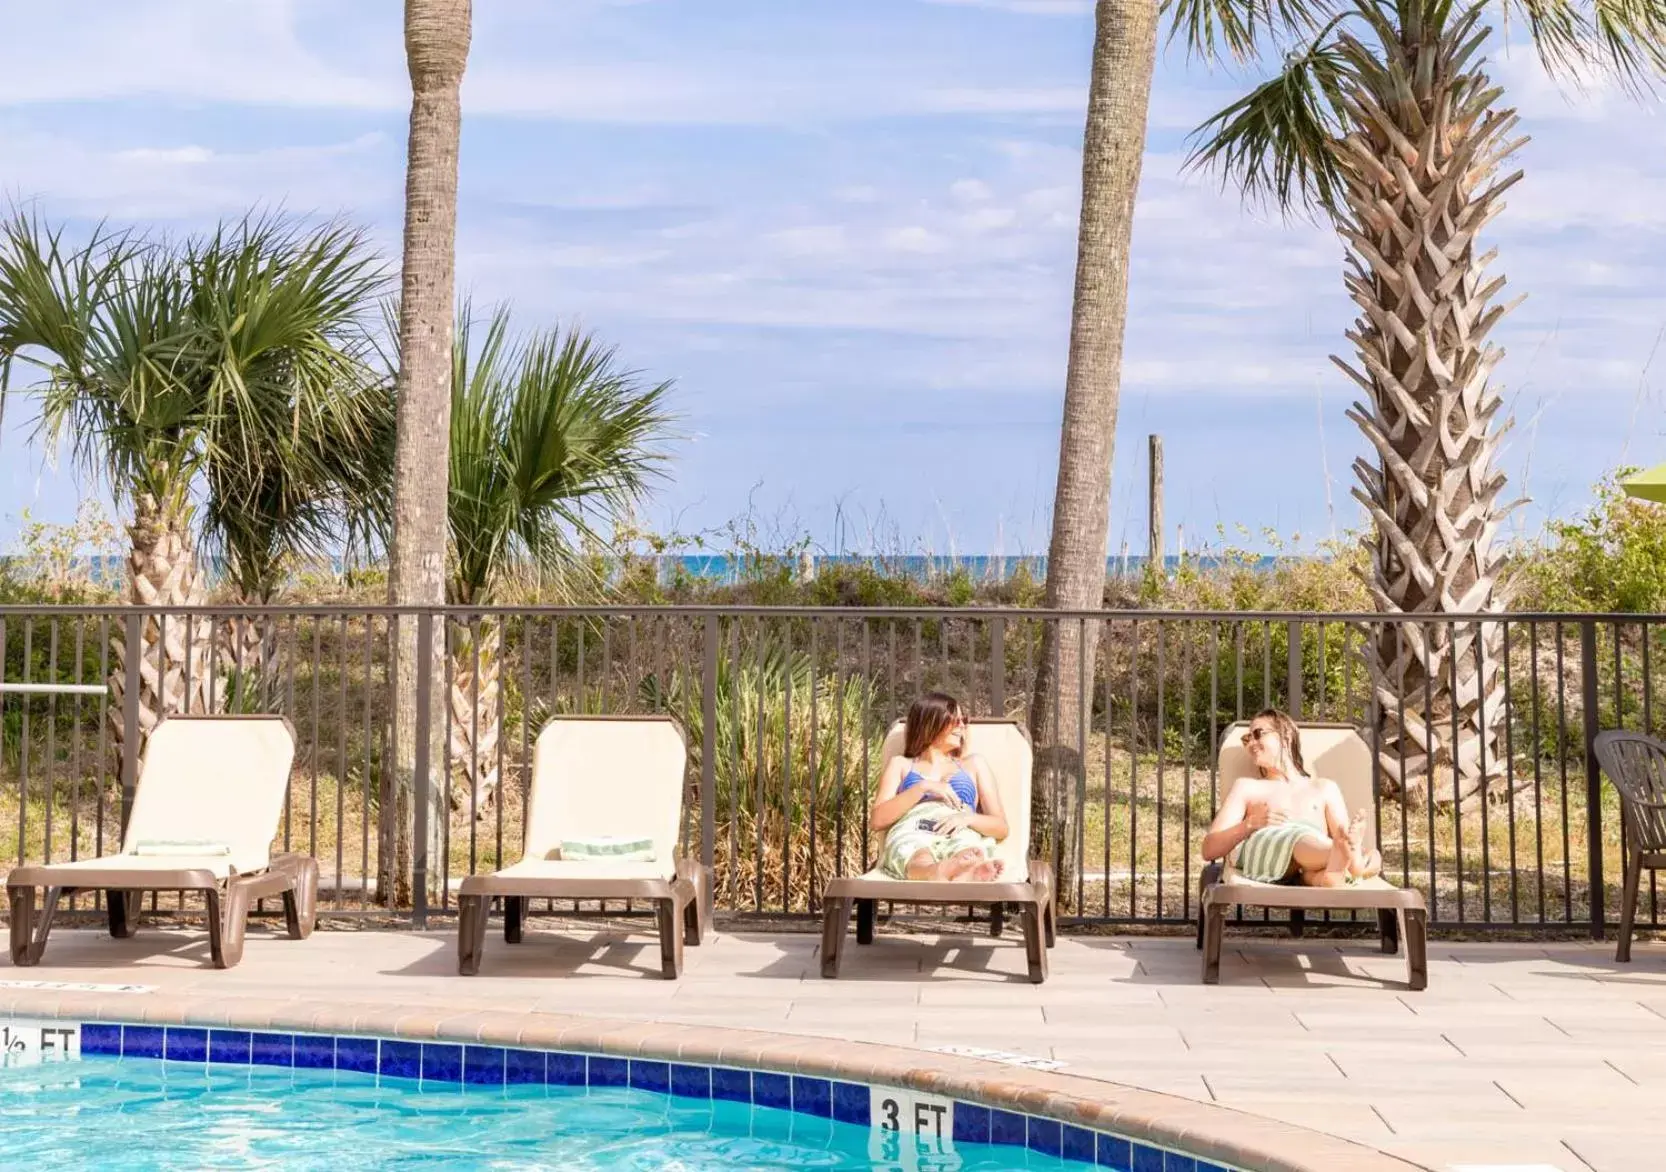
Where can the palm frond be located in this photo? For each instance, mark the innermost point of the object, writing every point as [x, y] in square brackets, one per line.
[1625, 39]
[1277, 143]
[1239, 29]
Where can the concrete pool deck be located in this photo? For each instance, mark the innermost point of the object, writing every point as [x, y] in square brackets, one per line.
[1543, 1054]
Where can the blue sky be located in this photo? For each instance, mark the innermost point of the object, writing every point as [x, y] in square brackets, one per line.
[847, 231]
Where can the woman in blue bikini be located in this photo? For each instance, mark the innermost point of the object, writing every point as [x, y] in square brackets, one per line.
[940, 811]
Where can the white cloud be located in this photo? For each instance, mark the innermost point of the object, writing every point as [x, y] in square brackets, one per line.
[1026, 7]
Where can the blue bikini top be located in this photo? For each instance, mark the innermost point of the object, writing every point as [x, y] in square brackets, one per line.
[965, 788]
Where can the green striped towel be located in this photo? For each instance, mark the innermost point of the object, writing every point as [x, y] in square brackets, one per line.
[610, 848]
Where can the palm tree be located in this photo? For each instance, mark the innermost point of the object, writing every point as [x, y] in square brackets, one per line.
[165, 365]
[1382, 119]
[436, 52]
[1113, 144]
[551, 441]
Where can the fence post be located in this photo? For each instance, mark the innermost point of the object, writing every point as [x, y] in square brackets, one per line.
[130, 714]
[420, 764]
[998, 666]
[708, 744]
[1593, 774]
[1293, 668]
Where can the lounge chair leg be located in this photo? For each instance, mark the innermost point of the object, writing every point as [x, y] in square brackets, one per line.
[697, 911]
[865, 912]
[226, 945]
[122, 908]
[300, 902]
[670, 939]
[1388, 922]
[514, 912]
[471, 932]
[1628, 907]
[835, 922]
[1298, 922]
[1035, 943]
[1414, 927]
[1050, 919]
[1211, 876]
[1214, 930]
[22, 926]
[997, 919]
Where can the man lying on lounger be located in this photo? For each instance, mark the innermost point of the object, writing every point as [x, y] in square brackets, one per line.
[940, 811]
[1285, 824]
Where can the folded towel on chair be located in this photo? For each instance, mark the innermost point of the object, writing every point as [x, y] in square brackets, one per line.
[609, 847]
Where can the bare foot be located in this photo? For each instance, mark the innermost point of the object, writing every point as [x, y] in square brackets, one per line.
[957, 866]
[1362, 863]
[986, 871]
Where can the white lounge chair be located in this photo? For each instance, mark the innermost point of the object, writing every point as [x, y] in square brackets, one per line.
[1338, 752]
[205, 810]
[1025, 882]
[598, 778]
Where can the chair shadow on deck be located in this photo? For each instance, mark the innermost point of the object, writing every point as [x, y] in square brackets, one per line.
[550, 950]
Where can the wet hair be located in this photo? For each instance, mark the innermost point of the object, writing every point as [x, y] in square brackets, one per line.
[1287, 732]
[928, 718]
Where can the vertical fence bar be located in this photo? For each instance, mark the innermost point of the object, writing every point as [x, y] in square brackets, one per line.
[1593, 775]
[420, 781]
[130, 718]
[997, 666]
[1293, 668]
[708, 744]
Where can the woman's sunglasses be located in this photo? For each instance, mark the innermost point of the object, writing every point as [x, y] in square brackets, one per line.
[1255, 734]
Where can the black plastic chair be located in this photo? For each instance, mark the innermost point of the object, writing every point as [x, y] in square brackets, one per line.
[1636, 764]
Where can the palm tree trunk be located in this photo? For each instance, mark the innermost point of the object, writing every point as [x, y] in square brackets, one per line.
[174, 646]
[475, 672]
[436, 52]
[1421, 165]
[1113, 143]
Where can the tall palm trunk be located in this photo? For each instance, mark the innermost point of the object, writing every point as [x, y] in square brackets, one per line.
[173, 649]
[1420, 165]
[475, 692]
[436, 52]
[1113, 143]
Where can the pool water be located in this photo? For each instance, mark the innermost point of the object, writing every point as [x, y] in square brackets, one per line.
[143, 1114]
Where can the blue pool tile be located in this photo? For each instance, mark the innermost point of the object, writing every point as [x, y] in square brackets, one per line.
[1078, 1144]
[850, 1105]
[813, 1096]
[1175, 1162]
[1045, 1136]
[609, 1072]
[1115, 1152]
[442, 1062]
[772, 1090]
[1205, 1166]
[141, 1041]
[1147, 1159]
[229, 1046]
[971, 1124]
[733, 1085]
[691, 1082]
[313, 1052]
[185, 1044]
[101, 1039]
[651, 1076]
[399, 1060]
[521, 1067]
[356, 1054]
[483, 1066]
[272, 1050]
[1007, 1128]
[565, 1070]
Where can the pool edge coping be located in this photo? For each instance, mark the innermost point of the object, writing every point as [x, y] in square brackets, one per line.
[1205, 1130]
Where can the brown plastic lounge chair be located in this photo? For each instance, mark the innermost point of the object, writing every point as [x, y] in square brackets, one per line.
[596, 777]
[1338, 752]
[1636, 764]
[1025, 882]
[205, 810]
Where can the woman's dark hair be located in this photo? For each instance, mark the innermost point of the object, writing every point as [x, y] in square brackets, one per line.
[928, 718]
[1287, 732]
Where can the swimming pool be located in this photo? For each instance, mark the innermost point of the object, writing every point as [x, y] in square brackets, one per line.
[140, 1096]
[148, 1114]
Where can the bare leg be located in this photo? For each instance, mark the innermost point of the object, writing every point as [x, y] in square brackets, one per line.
[1363, 864]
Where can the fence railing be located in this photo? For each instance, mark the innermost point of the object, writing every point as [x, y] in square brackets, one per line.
[1492, 805]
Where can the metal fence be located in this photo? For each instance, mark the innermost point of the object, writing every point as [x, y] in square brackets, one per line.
[785, 710]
